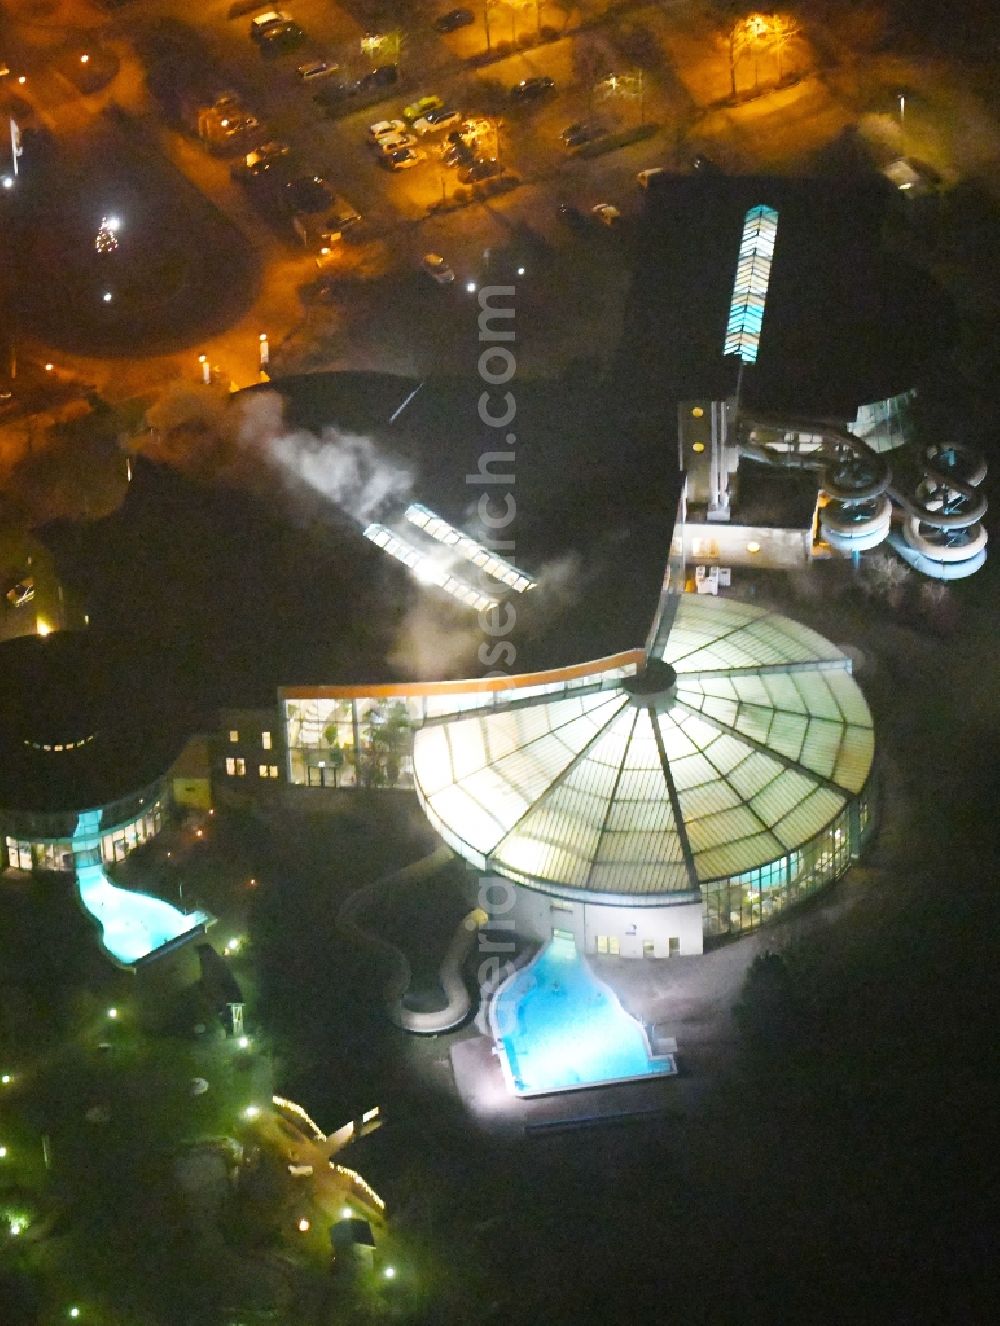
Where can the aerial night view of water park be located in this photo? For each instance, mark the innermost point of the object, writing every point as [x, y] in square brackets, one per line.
[498, 672]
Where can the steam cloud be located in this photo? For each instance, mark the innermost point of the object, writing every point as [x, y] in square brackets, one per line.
[248, 443]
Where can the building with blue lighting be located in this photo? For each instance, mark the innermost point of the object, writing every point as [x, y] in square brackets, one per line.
[78, 734]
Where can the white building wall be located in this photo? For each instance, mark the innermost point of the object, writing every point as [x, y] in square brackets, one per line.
[730, 545]
[535, 915]
[635, 926]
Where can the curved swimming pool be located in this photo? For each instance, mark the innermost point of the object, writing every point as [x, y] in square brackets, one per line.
[558, 1027]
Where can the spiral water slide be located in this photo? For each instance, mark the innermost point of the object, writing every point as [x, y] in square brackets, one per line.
[457, 1000]
[942, 531]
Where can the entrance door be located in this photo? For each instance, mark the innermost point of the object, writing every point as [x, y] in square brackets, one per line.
[648, 949]
[673, 946]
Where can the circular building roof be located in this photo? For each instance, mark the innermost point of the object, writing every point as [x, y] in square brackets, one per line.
[744, 739]
[84, 720]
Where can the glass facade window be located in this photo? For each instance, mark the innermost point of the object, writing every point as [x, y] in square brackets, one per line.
[364, 742]
[745, 901]
[116, 843]
[18, 854]
[57, 853]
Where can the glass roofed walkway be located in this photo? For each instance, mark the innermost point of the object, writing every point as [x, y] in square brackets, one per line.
[734, 772]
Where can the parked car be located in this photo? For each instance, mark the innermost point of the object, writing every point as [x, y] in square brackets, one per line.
[480, 170]
[308, 194]
[382, 128]
[576, 135]
[315, 69]
[454, 19]
[390, 143]
[332, 95]
[384, 76]
[607, 213]
[21, 592]
[457, 154]
[280, 37]
[404, 159]
[436, 268]
[261, 160]
[529, 88]
[471, 130]
[260, 24]
[421, 107]
[652, 173]
[436, 120]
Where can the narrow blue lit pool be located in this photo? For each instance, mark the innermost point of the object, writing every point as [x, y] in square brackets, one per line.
[558, 1028]
[133, 925]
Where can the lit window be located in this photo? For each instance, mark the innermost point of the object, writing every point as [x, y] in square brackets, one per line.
[274, 770]
[267, 770]
[265, 740]
[241, 767]
[698, 447]
[230, 766]
[234, 735]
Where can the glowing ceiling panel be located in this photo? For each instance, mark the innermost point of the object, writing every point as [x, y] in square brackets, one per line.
[496, 567]
[428, 569]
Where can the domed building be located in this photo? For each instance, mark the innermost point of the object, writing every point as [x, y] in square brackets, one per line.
[79, 732]
[643, 804]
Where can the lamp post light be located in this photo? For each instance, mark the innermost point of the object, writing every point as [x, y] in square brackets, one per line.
[265, 353]
[901, 101]
[206, 371]
[626, 86]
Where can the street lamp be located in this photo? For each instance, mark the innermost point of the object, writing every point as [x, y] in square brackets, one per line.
[756, 31]
[901, 100]
[627, 85]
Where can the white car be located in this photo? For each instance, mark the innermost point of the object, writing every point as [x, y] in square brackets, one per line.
[381, 128]
[317, 69]
[390, 143]
[644, 177]
[436, 268]
[606, 213]
[436, 120]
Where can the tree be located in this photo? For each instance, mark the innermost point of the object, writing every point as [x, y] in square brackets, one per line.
[387, 741]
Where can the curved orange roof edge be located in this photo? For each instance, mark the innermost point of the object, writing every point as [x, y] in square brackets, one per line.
[469, 685]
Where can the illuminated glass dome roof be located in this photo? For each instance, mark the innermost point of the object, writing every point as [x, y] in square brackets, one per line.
[744, 739]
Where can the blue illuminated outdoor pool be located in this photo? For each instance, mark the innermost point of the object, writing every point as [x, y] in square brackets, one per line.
[133, 925]
[558, 1028]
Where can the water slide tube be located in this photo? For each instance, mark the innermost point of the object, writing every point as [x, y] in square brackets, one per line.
[458, 1003]
[942, 519]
